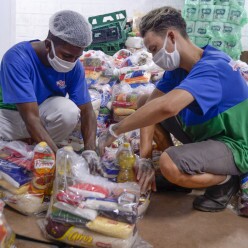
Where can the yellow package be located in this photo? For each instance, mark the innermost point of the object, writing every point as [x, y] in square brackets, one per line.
[111, 228]
[123, 111]
[13, 190]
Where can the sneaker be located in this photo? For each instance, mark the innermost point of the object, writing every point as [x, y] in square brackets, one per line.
[217, 197]
[164, 185]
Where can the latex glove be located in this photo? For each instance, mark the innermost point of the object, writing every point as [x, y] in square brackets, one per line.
[105, 140]
[145, 175]
[93, 161]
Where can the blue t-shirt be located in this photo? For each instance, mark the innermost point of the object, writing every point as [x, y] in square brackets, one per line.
[220, 108]
[24, 78]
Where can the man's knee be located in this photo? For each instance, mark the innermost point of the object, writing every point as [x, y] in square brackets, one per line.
[168, 168]
[60, 111]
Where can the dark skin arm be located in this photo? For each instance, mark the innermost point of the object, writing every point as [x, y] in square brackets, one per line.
[30, 115]
[88, 126]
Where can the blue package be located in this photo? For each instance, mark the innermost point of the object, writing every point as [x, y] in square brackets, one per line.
[14, 174]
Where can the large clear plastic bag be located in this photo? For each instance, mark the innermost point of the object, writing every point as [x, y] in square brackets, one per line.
[89, 210]
[27, 191]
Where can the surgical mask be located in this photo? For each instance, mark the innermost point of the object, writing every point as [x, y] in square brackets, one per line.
[58, 64]
[165, 60]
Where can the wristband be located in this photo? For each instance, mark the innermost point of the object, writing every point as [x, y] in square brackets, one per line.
[111, 131]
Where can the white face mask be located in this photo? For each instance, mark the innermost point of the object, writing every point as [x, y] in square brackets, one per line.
[165, 60]
[58, 64]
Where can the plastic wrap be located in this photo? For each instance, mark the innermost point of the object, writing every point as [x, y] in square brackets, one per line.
[90, 208]
[17, 152]
[99, 67]
[7, 236]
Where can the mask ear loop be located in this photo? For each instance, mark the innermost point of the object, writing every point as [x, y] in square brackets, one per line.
[165, 43]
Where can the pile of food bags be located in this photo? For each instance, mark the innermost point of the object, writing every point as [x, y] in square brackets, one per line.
[26, 176]
[125, 99]
[90, 211]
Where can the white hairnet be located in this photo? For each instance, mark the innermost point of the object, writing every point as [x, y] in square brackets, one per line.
[71, 27]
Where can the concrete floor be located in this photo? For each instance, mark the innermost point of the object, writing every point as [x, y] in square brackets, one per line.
[170, 222]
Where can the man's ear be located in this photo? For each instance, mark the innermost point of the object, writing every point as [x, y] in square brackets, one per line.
[171, 36]
[48, 45]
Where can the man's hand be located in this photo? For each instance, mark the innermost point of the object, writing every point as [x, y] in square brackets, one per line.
[93, 161]
[145, 175]
[105, 140]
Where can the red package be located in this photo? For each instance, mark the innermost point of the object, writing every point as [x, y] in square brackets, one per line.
[89, 190]
[69, 197]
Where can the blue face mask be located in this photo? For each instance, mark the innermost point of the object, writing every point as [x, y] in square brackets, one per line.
[58, 64]
[165, 60]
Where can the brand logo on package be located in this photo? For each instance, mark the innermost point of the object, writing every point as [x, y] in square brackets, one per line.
[42, 164]
[61, 84]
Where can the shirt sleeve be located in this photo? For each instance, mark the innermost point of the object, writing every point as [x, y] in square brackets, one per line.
[78, 89]
[15, 81]
[204, 85]
[167, 82]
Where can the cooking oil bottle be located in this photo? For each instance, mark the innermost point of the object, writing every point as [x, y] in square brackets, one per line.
[126, 161]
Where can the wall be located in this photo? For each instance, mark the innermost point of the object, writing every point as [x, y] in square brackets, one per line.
[32, 16]
[7, 30]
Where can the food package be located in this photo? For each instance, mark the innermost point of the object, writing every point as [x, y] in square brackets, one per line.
[17, 152]
[7, 236]
[98, 67]
[120, 56]
[27, 191]
[134, 42]
[83, 237]
[90, 206]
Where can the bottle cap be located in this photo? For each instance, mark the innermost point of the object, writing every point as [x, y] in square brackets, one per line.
[43, 144]
[126, 145]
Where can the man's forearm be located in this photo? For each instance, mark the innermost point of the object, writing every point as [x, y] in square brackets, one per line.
[88, 128]
[146, 139]
[38, 133]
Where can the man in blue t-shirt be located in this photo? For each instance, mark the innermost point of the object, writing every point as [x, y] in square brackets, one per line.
[203, 102]
[43, 92]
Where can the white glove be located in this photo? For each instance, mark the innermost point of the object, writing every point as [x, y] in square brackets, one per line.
[93, 161]
[145, 175]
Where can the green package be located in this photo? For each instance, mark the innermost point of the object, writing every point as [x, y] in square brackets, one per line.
[233, 47]
[240, 3]
[237, 15]
[201, 41]
[221, 13]
[194, 2]
[206, 12]
[190, 12]
[216, 28]
[192, 38]
[217, 43]
[223, 2]
[209, 2]
[230, 29]
[190, 27]
[202, 28]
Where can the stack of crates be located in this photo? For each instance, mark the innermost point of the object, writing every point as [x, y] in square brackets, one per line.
[109, 31]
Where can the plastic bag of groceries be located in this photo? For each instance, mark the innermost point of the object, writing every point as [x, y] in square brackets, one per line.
[99, 67]
[90, 211]
[26, 176]
[7, 236]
